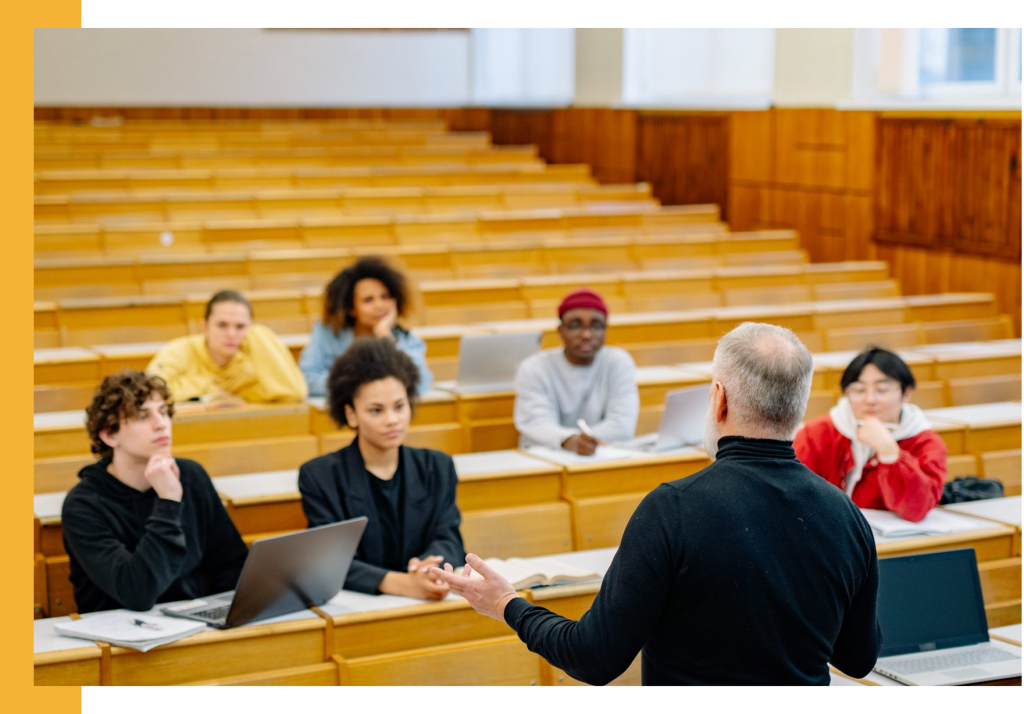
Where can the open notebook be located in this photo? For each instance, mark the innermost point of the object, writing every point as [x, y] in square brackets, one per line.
[127, 628]
[530, 572]
[889, 525]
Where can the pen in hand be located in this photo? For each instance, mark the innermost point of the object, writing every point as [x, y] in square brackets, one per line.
[585, 428]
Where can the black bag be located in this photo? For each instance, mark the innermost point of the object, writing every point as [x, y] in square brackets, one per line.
[970, 488]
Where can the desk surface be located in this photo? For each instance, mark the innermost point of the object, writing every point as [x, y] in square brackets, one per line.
[489, 463]
[1003, 510]
[962, 529]
[48, 505]
[977, 414]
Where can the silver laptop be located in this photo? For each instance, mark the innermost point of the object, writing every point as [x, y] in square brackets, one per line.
[488, 363]
[682, 422]
[934, 629]
[282, 574]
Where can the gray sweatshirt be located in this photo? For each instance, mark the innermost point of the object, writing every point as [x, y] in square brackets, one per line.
[552, 393]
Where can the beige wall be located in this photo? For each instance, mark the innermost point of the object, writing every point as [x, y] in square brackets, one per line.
[598, 67]
[812, 67]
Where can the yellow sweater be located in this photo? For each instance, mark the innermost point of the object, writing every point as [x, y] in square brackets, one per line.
[262, 371]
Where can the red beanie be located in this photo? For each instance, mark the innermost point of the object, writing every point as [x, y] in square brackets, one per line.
[582, 297]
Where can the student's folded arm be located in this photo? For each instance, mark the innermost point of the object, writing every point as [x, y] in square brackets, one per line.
[134, 578]
[315, 361]
[362, 577]
[225, 550]
[633, 597]
[912, 486]
[535, 414]
[184, 383]
[620, 420]
[860, 638]
[446, 539]
[280, 379]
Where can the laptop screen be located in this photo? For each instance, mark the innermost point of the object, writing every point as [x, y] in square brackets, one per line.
[930, 601]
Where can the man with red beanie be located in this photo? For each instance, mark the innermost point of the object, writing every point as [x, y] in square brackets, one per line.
[584, 380]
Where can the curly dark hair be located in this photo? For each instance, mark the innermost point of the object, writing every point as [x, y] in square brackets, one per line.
[339, 296]
[119, 397]
[368, 359]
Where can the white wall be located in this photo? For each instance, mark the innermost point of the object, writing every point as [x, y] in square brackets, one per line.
[698, 66]
[245, 67]
[523, 66]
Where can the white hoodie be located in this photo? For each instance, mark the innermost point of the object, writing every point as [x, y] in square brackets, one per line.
[912, 423]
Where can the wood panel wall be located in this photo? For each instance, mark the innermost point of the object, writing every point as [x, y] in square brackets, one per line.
[696, 169]
[949, 184]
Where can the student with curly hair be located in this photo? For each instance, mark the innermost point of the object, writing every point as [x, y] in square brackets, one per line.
[232, 361]
[366, 299]
[408, 494]
[142, 526]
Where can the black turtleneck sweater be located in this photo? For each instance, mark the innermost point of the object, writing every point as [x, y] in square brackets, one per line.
[752, 571]
[132, 549]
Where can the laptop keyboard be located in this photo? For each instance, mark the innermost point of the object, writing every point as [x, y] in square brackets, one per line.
[217, 614]
[917, 665]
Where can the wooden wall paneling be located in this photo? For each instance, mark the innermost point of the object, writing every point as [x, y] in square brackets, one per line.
[950, 184]
[517, 127]
[750, 147]
[685, 157]
[603, 138]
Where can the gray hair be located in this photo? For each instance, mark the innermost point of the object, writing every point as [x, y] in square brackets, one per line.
[766, 371]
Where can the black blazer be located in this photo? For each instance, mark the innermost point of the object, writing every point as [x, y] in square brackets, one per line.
[334, 488]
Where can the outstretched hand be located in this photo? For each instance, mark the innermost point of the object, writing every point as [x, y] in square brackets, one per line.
[487, 595]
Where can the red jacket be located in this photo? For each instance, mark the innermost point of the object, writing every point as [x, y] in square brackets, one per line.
[910, 487]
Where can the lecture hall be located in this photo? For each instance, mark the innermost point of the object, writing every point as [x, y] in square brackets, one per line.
[527, 357]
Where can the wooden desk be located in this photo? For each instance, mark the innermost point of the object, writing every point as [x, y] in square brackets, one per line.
[511, 505]
[989, 427]
[64, 661]
[604, 494]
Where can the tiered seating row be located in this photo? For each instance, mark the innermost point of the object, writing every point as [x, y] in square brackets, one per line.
[335, 202]
[323, 232]
[233, 157]
[111, 181]
[57, 278]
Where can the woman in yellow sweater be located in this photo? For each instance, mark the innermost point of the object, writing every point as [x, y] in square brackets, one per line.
[231, 361]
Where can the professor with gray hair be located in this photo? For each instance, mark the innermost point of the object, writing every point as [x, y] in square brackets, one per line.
[754, 570]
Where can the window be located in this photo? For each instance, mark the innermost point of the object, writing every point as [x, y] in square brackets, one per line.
[950, 65]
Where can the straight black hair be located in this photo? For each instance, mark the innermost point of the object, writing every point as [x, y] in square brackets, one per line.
[887, 363]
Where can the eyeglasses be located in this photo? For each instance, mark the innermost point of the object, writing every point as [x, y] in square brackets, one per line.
[858, 392]
[575, 327]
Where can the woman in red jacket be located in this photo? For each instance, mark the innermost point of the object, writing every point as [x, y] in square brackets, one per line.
[874, 444]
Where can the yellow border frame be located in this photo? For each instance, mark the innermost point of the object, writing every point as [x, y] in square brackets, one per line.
[17, 135]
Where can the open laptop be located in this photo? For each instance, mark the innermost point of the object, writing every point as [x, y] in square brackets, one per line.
[282, 574]
[934, 629]
[488, 363]
[682, 422]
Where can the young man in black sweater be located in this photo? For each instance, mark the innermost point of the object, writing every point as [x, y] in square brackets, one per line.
[142, 527]
[751, 571]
